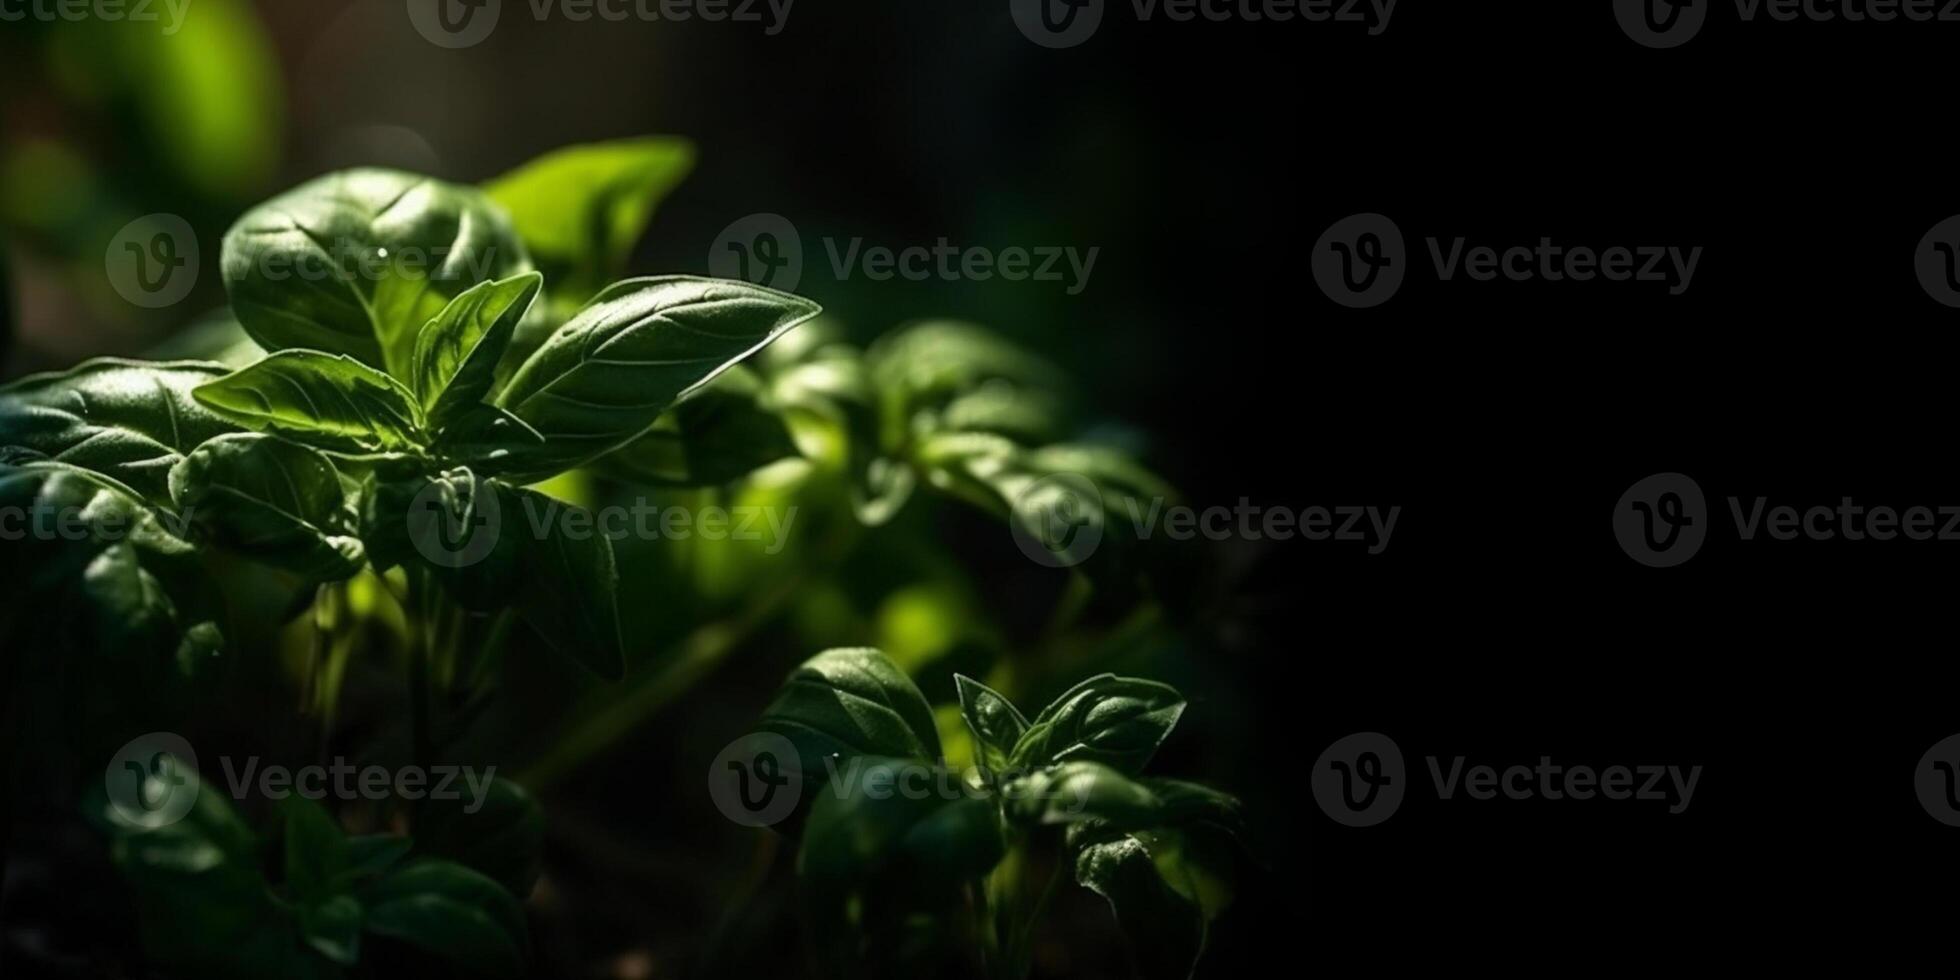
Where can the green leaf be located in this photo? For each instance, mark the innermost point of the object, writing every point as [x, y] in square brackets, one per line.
[721, 432]
[1117, 721]
[1081, 792]
[333, 928]
[832, 414]
[373, 854]
[317, 854]
[98, 569]
[456, 353]
[277, 501]
[923, 371]
[601, 379]
[356, 262]
[452, 912]
[857, 830]
[489, 439]
[335, 403]
[1165, 931]
[128, 420]
[496, 546]
[580, 209]
[996, 724]
[503, 838]
[846, 703]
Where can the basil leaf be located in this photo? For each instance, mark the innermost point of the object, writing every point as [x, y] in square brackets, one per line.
[1081, 792]
[356, 262]
[456, 353]
[128, 420]
[496, 546]
[452, 912]
[503, 839]
[846, 703]
[373, 854]
[832, 414]
[316, 851]
[721, 432]
[204, 907]
[1165, 931]
[600, 380]
[489, 439]
[277, 501]
[1117, 721]
[855, 832]
[996, 724]
[332, 928]
[922, 370]
[332, 402]
[109, 574]
[580, 209]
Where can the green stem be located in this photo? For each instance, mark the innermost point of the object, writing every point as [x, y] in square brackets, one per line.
[421, 649]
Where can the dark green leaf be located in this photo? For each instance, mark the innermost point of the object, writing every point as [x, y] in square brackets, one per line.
[316, 851]
[996, 724]
[832, 414]
[504, 838]
[846, 703]
[571, 591]
[1165, 931]
[356, 262]
[333, 928]
[456, 353]
[128, 420]
[923, 371]
[489, 439]
[721, 432]
[1080, 792]
[452, 912]
[581, 208]
[373, 854]
[332, 402]
[1117, 721]
[277, 501]
[601, 379]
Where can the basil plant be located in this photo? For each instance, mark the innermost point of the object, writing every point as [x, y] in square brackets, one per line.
[903, 856]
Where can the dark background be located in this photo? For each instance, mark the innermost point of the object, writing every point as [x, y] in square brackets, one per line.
[1503, 623]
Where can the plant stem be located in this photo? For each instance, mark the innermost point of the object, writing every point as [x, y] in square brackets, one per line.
[421, 649]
